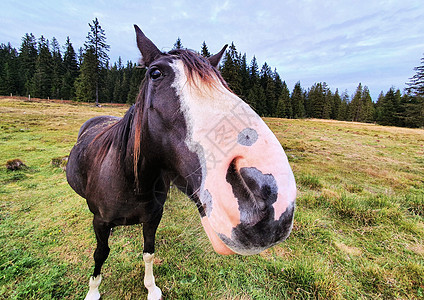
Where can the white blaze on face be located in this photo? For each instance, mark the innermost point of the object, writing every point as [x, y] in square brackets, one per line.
[222, 128]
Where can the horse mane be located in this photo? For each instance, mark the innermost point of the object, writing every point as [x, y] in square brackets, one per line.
[117, 134]
[138, 119]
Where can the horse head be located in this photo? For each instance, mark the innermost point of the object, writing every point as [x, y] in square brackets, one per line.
[216, 148]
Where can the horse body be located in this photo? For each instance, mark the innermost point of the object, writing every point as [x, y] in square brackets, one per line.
[187, 128]
[101, 170]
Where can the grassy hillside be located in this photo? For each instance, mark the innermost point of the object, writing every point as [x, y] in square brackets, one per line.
[358, 231]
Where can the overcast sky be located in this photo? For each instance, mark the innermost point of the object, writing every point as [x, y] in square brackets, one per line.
[377, 43]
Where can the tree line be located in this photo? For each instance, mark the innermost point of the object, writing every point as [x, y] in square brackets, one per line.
[270, 96]
[43, 69]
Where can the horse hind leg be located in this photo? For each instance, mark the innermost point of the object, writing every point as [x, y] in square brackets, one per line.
[102, 231]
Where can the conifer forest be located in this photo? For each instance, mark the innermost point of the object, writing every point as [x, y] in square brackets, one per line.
[43, 68]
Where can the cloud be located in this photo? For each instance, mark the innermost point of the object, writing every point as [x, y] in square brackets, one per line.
[342, 42]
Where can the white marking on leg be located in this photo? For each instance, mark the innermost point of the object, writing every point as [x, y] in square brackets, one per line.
[149, 280]
[93, 293]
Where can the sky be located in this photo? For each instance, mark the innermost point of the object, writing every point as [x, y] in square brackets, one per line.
[342, 43]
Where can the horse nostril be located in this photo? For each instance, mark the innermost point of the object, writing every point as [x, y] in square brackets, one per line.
[262, 186]
[255, 192]
[265, 191]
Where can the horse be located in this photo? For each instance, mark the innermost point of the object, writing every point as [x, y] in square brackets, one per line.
[188, 129]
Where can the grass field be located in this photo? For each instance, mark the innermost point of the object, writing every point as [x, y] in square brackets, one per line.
[358, 230]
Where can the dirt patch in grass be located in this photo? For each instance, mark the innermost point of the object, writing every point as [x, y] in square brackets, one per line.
[350, 250]
[416, 248]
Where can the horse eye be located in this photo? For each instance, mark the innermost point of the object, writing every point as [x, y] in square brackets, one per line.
[155, 74]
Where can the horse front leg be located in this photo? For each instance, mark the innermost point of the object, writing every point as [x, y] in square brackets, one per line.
[149, 232]
[102, 231]
[154, 293]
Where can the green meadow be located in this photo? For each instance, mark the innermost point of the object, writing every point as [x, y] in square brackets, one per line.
[358, 231]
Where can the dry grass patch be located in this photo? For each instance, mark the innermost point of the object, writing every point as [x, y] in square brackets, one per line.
[416, 248]
[350, 250]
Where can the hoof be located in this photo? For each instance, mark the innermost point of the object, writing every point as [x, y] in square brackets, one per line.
[155, 295]
[93, 293]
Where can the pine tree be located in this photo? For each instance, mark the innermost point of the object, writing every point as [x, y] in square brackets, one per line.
[121, 77]
[245, 78]
[279, 87]
[205, 52]
[9, 71]
[355, 107]
[287, 99]
[57, 69]
[27, 59]
[135, 82]
[416, 83]
[271, 99]
[252, 96]
[367, 106]
[281, 108]
[307, 104]
[413, 106]
[85, 84]
[109, 84]
[284, 109]
[96, 40]
[344, 108]
[265, 74]
[80, 56]
[268, 85]
[388, 107]
[253, 73]
[297, 99]
[278, 83]
[70, 68]
[178, 44]
[41, 82]
[125, 85]
[412, 113]
[319, 101]
[316, 101]
[117, 81]
[336, 113]
[4, 60]
[397, 108]
[328, 102]
[257, 99]
[378, 112]
[276, 86]
[230, 69]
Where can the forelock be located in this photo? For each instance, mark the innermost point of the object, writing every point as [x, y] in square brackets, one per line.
[198, 68]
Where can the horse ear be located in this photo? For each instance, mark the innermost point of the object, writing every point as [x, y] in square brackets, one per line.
[148, 50]
[215, 59]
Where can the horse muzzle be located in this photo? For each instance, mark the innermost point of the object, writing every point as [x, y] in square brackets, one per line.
[254, 208]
